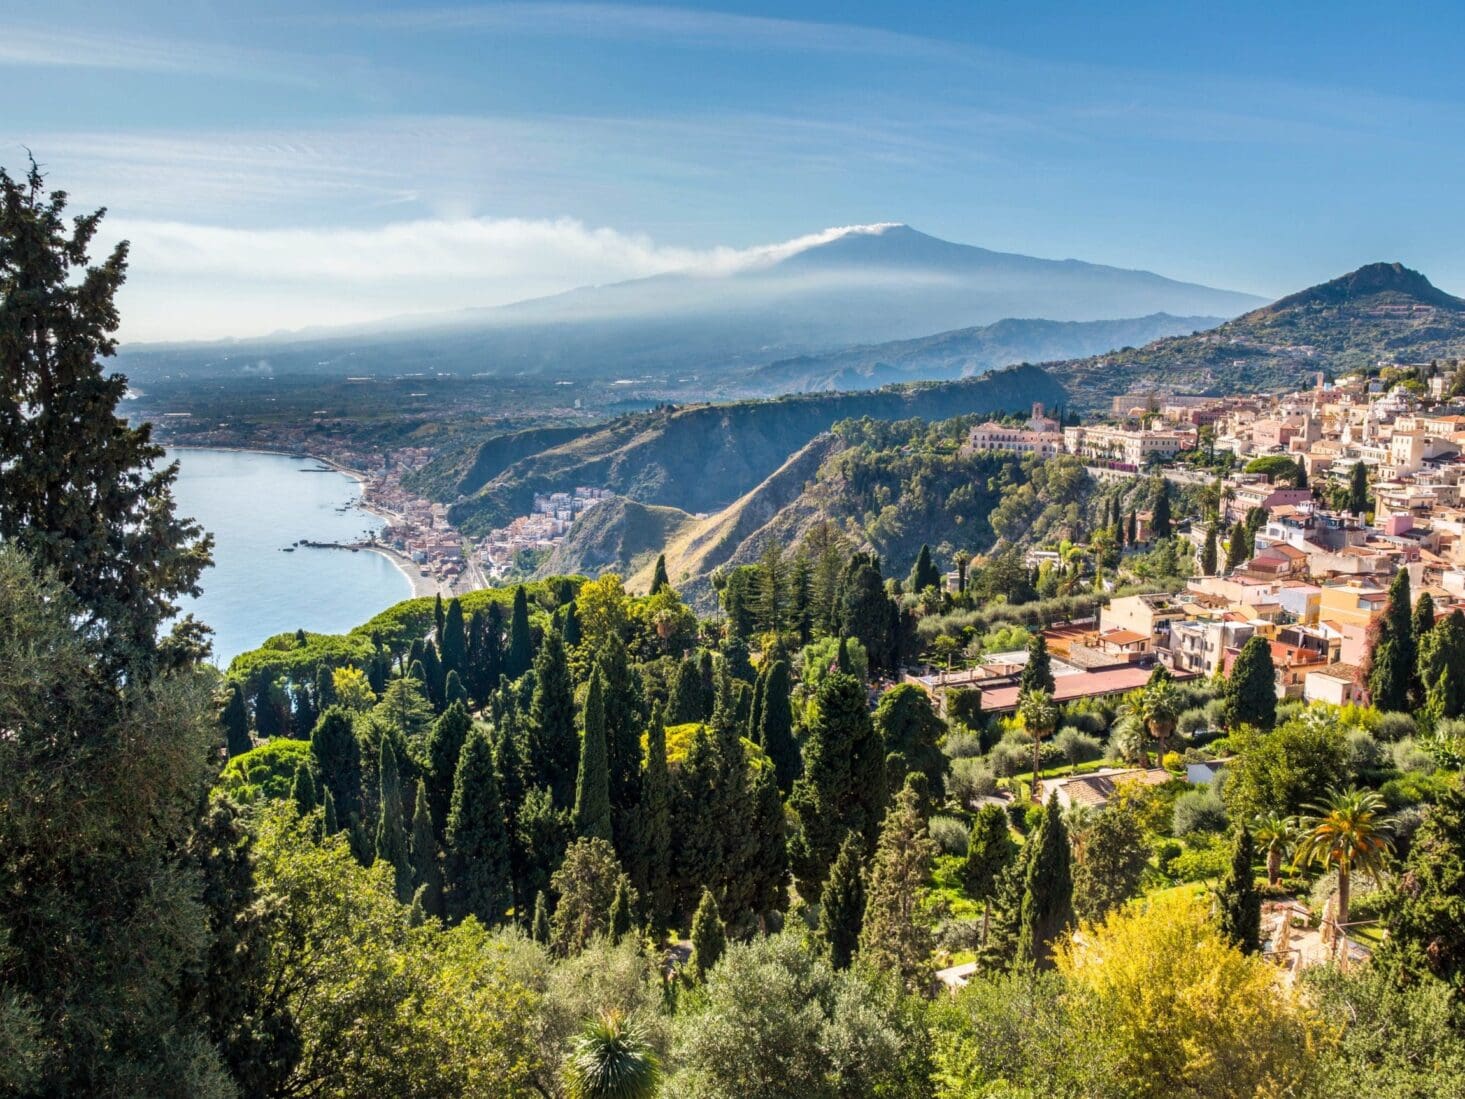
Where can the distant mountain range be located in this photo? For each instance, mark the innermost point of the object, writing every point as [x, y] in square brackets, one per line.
[866, 285]
[1380, 312]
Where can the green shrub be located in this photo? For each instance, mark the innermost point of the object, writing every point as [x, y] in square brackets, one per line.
[266, 772]
[1414, 788]
[1032, 817]
[1210, 860]
[962, 744]
[949, 834]
[1198, 811]
[1393, 727]
[969, 780]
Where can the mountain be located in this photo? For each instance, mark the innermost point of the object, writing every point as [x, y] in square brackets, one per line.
[1380, 312]
[965, 352]
[701, 458]
[856, 286]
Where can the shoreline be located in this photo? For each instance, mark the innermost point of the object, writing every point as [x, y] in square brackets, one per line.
[421, 586]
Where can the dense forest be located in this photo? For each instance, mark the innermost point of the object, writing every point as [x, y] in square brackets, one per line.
[563, 839]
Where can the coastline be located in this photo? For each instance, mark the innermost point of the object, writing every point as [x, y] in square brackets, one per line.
[421, 586]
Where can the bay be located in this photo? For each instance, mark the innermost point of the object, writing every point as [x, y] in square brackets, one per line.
[257, 504]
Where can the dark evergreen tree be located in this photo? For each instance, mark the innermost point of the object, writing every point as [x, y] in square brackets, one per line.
[624, 719]
[1423, 619]
[508, 769]
[484, 655]
[1250, 695]
[81, 492]
[1047, 902]
[865, 610]
[453, 640]
[543, 834]
[925, 574]
[684, 704]
[325, 688]
[842, 662]
[477, 846]
[1358, 489]
[391, 830]
[453, 690]
[990, 850]
[1037, 673]
[571, 629]
[755, 714]
[592, 784]
[444, 748]
[843, 786]
[910, 732]
[330, 825]
[1424, 913]
[520, 651]
[842, 902]
[707, 673]
[1238, 547]
[655, 822]
[539, 928]
[235, 720]
[433, 676]
[767, 869]
[1209, 552]
[620, 910]
[1389, 665]
[338, 760]
[438, 617]
[427, 878]
[554, 746]
[1160, 523]
[776, 733]
[1240, 903]
[659, 578]
[1132, 527]
[303, 713]
[302, 791]
[709, 937]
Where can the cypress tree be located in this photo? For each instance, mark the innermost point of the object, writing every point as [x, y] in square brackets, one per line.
[620, 910]
[508, 769]
[570, 628]
[1240, 903]
[1208, 553]
[453, 690]
[896, 935]
[1160, 525]
[433, 676]
[842, 902]
[1238, 547]
[520, 652]
[706, 673]
[477, 847]
[656, 840]
[391, 832]
[453, 640]
[1037, 673]
[1133, 526]
[755, 714]
[539, 928]
[1047, 900]
[776, 734]
[1250, 695]
[767, 872]
[1391, 691]
[1423, 620]
[325, 688]
[303, 790]
[438, 617]
[304, 713]
[1358, 489]
[338, 760]
[329, 821]
[843, 786]
[990, 850]
[684, 704]
[554, 747]
[427, 878]
[864, 610]
[659, 578]
[592, 785]
[842, 663]
[924, 573]
[709, 937]
[623, 723]
[235, 719]
[444, 748]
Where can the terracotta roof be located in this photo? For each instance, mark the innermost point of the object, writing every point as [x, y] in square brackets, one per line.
[1097, 789]
[1087, 684]
[1119, 636]
[1344, 672]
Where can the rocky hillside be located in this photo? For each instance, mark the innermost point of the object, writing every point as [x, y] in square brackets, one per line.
[701, 458]
[1383, 311]
[616, 535]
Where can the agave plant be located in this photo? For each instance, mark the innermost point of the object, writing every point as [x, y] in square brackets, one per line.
[611, 1060]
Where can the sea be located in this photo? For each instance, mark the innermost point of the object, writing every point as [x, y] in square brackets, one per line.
[258, 506]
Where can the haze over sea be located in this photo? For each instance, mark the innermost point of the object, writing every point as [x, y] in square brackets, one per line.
[254, 505]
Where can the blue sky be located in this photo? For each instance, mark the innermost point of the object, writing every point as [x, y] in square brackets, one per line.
[280, 164]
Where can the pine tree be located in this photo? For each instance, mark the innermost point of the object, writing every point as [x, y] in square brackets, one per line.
[81, 492]
[444, 748]
[235, 719]
[1037, 673]
[1241, 904]
[1208, 553]
[1160, 525]
[656, 840]
[302, 791]
[709, 938]
[539, 928]
[620, 911]
[776, 726]
[338, 760]
[842, 902]
[427, 878]
[659, 579]
[554, 748]
[924, 573]
[896, 936]
[453, 640]
[592, 785]
[520, 652]
[391, 832]
[1047, 901]
[1250, 695]
[477, 847]
[843, 786]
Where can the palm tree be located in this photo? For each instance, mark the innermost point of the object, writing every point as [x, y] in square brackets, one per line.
[1039, 715]
[1348, 832]
[1127, 734]
[1274, 834]
[1159, 709]
[611, 1060]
